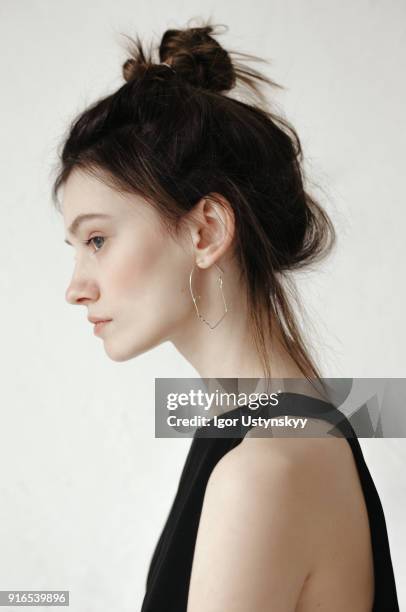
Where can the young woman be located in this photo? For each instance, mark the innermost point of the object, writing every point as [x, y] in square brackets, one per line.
[187, 211]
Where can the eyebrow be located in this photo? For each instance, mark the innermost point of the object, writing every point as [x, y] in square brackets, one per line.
[74, 226]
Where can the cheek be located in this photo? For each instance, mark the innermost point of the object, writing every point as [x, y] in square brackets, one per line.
[146, 273]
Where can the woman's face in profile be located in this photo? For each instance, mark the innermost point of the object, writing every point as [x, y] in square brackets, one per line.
[127, 267]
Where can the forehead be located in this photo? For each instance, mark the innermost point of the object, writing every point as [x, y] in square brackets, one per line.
[86, 194]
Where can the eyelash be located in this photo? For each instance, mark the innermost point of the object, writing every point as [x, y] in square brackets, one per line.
[87, 242]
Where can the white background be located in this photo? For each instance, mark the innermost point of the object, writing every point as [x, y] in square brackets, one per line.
[85, 486]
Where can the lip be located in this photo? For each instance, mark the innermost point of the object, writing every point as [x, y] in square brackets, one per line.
[99, 324]
[97, 319]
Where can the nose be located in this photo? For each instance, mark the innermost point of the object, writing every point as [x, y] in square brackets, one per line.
[81, 290]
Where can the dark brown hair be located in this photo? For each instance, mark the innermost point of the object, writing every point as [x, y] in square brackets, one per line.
[173, 136]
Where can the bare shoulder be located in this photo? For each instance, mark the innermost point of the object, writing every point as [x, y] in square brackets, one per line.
[306, 467]
[261, 522]
[322, 448]
[319, 447]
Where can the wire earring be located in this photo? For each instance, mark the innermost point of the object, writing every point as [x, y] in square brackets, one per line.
[195, 298]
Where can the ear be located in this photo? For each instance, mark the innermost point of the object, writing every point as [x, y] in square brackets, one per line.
[212, 228]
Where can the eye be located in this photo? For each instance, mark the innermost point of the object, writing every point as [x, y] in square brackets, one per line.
[96, 238]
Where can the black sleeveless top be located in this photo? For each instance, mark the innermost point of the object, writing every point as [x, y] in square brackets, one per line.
[170, 568]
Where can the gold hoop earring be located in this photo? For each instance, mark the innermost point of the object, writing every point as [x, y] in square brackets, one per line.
[195, 298]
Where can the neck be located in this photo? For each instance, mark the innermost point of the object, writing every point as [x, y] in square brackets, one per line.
[229, 351]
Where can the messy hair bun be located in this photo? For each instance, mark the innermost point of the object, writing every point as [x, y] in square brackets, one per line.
[194, 55]
[174, 136]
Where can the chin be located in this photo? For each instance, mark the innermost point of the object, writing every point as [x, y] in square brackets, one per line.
[118, 357]
[125, 353]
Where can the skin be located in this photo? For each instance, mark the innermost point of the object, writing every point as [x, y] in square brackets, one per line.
[272, 520]
[283, 528]
[117, 279]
